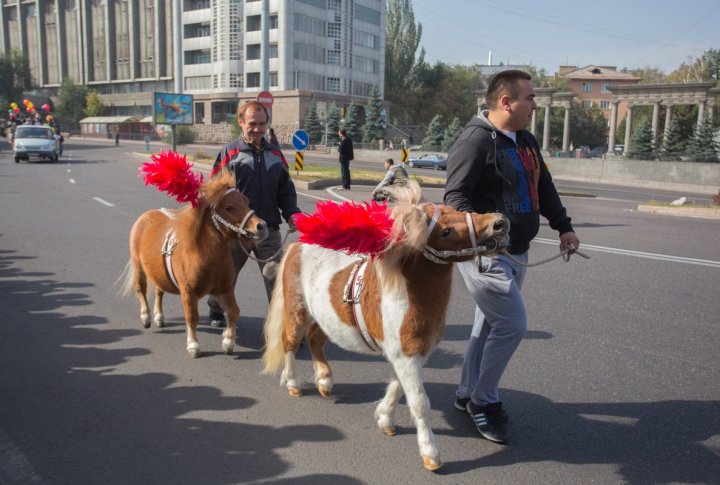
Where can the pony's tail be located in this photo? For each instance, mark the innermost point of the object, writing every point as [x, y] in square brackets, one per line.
[128, 283]
[274, 355]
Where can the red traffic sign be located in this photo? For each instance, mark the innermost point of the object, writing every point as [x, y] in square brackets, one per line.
[265, 99]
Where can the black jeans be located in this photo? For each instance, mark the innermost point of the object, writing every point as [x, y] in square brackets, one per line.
[345, 173]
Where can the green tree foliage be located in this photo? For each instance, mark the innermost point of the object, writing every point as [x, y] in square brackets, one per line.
[641, 145]
[673, 143]
[588, 126]
[15, 78]
[374, 128]
[703, 147]
[435, 134]
[313, 126]
[703, 68]
[184, 135]
[333, 125]
[93, 104]
[452, 132]
[402, 41]
[354, 122]
[71, 102]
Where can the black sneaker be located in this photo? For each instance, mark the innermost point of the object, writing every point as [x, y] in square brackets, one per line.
[488, 421]
[461, 405]
[217, 319]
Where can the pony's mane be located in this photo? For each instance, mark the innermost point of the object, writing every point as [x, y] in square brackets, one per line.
[212, 191]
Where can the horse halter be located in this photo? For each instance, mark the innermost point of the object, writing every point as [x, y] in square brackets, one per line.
[218, 220]
[437, 256]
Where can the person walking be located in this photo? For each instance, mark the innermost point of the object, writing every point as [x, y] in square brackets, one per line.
[394, 175]
[345, 148]
[272, 138]
[262, 174]
[496, 166]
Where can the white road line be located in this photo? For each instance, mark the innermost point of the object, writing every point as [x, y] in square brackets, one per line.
[103, 202]
[638, 254]
[72, 181]
[331, 191]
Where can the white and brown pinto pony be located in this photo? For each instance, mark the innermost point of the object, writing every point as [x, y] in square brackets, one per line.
[188, 252]
[404, 297]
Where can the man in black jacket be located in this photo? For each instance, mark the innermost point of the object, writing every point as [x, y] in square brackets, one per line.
[346, 155]
[496, 166]
[262, 174]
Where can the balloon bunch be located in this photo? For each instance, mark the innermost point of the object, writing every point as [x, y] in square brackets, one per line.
[14, 111]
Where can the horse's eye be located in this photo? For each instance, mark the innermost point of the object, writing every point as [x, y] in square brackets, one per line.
[229, 208]
[446, 232]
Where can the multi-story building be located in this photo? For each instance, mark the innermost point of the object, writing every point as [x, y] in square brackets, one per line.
[592, 86]
[330, 51]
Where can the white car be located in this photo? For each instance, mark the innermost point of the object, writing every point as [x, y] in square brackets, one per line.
[35, 141]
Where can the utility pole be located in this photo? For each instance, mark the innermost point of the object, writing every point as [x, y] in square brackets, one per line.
[265, 46]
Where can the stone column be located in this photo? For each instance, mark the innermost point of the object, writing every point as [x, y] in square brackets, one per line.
[613, 127]
[566, 130]
[533, 123]
[668, 118]
[546, 130]
[655, 121]
[628, 129]
[701, 112]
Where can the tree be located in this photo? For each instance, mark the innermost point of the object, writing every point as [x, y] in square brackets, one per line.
[673, 142]
[703, 147]
[402, 41]
[313, 126]
[435, 134]
[15, 78]
[374, 126]
[93, 103]
[333, 125]
[641, 145]
[588, 126]
[353, 122]
[71, 102]
[452, 132]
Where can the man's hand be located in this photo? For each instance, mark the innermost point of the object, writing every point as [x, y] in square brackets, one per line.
[569, 242]
[291, 224]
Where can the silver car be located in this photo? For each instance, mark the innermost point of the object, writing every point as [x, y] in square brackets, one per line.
[35, 141]
[429, 160]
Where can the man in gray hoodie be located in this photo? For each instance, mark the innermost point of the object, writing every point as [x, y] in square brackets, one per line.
[496, 166]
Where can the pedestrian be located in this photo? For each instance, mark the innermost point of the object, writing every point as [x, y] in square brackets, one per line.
[117, 138]
[394, 175]
[272, 138]
[262, 174]
[147, 142]
[345, 148]
[496, 166]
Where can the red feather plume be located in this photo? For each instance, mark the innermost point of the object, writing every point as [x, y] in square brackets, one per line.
[170, 172]
[351, 227]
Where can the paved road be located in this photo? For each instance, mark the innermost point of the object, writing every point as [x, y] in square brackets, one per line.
[616, 380]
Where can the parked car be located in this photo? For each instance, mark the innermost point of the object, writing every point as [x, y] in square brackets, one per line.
[35, 141]
[429, 160]
[619, 149]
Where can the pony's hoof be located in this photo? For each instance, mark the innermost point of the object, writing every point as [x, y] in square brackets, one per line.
[389, 431]
[159, 321]
[228, 346]
[194, 350]
[145, 320]
[431, 464]
[324, 391]
[295, 392]
[146, 324]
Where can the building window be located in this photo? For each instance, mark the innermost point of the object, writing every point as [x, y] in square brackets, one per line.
[605, 104]
[273, 51]
[333, 57]
[361, 89]
[366, 14]
[236, 80]
[253, 52]
[253, 80]
[333, 30]
[303, 23]
[587, 103]
[605, 88]
[334, 5]
[332, 84]
[314, 3]
[366, 40]
[253, 23]
[365, 64]
[197, 57]
[273, 22]
[197, 5]
[31, 10]
[197, 30]
[586, 87]
[273, 79]
[197, 82]
[311, 53]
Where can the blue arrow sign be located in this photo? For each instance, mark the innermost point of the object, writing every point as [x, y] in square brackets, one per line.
[300, 140]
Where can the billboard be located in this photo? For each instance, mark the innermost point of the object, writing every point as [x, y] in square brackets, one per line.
[172, 109]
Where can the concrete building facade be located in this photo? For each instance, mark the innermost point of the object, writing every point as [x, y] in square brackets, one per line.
[330, 51]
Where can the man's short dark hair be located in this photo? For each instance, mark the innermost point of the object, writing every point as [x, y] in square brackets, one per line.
[389, 161]
[343, 132]
[504, 82]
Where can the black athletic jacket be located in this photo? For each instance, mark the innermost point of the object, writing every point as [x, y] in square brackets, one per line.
[488, 172]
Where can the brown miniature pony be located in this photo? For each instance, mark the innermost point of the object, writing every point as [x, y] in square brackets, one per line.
[188, 252]
[399, 312]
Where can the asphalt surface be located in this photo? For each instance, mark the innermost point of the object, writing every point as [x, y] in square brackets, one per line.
[615, 382]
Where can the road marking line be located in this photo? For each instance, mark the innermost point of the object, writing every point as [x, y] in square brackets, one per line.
[639, 254]
[331, 191]
[103, 202]
[72, 181]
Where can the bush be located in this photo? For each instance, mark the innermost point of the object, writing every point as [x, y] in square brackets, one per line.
[184, 135]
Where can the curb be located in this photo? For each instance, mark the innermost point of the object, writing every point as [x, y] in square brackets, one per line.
[700, 212]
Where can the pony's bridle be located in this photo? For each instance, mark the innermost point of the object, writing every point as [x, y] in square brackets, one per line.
[218, 220]
[438, 256]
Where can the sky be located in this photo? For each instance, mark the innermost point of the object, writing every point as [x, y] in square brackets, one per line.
[546, 34]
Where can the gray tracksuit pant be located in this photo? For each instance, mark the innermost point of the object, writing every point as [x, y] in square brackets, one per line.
[500, 324]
